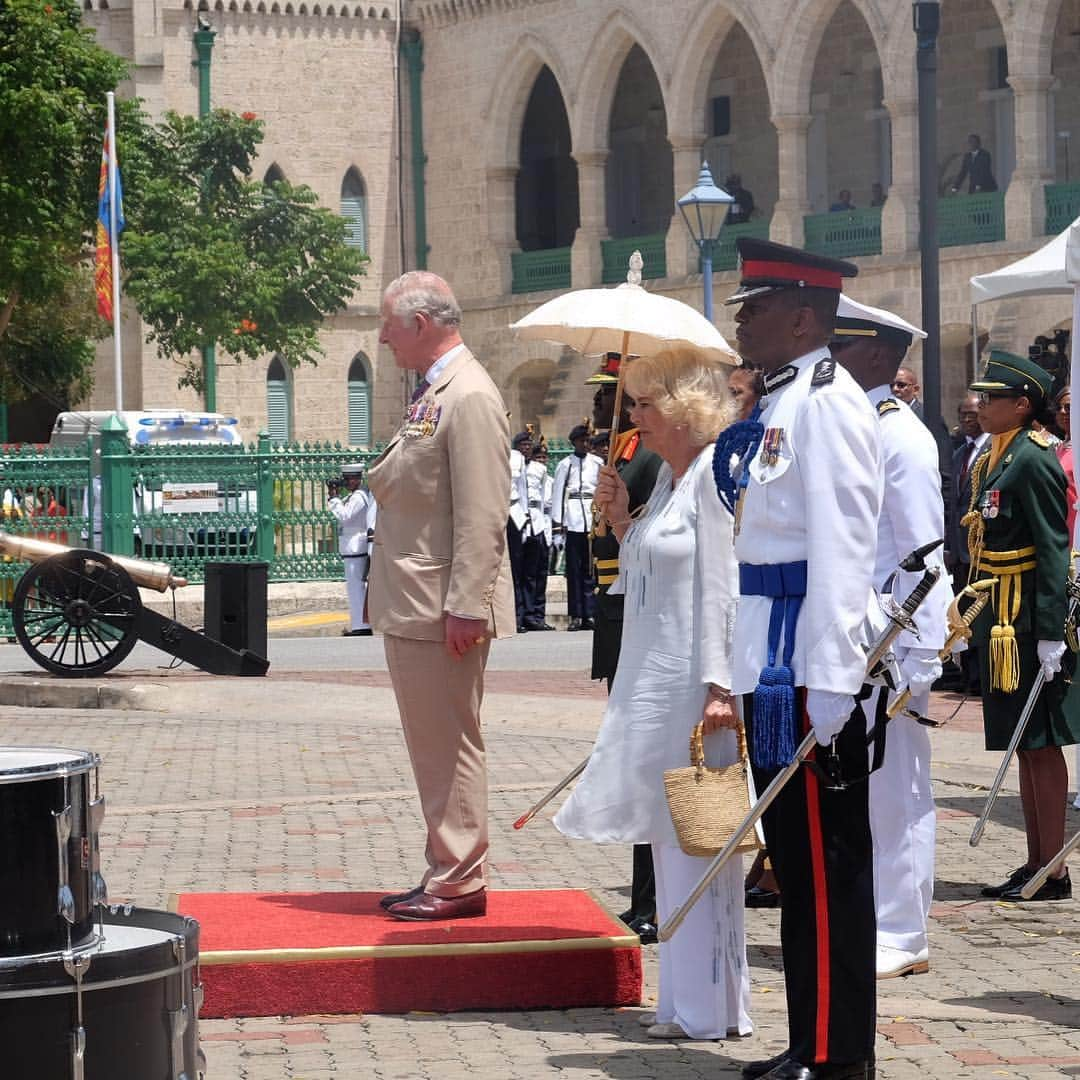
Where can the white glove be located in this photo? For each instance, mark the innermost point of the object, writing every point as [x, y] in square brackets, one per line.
[829, 712]
[1050, 654]
[959, 646]
[558, 541]
[920, 669]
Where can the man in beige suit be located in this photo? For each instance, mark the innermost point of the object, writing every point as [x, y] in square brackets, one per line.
[440, 586]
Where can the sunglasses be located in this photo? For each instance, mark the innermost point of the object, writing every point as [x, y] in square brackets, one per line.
[898, 385]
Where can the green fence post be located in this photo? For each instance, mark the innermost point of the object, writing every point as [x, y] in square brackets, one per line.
[264, 535]
[117, 526]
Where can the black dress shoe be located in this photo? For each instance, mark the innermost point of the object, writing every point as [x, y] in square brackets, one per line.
[366, 632]
[762, 898]
[522, 628]
[753, 1069]
[574, 624]
[587, 624]
[645, 929]
[1020, 876]
[1052, 889]
[792, 1070]
[537, 624]
[397, 898]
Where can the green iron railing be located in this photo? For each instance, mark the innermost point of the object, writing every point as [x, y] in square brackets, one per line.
[725, 256]
[971, 219]
[616, 257]
[1062, 207]
[843, 234]
[536, 271]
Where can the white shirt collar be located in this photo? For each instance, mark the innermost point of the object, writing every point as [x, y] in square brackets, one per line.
[439, 366]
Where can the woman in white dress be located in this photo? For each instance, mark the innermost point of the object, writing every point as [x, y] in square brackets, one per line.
[678, 572]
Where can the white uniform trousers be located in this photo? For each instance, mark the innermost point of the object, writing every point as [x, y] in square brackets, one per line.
[356, 587]
[902, 822]
[704, 976]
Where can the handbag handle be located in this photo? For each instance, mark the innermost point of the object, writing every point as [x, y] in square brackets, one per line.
[697, 744]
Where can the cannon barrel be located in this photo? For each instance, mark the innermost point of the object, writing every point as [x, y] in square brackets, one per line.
[152, 575]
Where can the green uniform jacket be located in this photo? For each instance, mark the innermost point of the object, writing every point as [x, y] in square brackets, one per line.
[1022, 503]
[639, 476]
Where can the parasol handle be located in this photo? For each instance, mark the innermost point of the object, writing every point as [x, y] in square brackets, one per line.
[613, 438]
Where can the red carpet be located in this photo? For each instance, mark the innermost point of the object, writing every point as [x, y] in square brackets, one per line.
[274, 954]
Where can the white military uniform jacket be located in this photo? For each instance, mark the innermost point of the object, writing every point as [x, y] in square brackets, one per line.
[819, 502]
[355, 514]
[540, 486]
[519, 496]
[572, 492]
[912, 515]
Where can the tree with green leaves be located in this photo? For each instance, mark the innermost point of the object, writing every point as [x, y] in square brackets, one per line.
[212, 256]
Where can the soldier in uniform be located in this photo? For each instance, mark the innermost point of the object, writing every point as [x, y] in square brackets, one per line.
[355, 514]
[808, 491]
[870, 344]
[1017, 533]
[571, 511]
[537, 538]
[637, 467]
[517, 522]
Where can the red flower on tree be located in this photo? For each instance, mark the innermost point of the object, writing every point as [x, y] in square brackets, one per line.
[248, 116]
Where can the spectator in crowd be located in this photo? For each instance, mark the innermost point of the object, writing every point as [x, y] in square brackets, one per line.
[571, 512]
[976, 169]
[843, 202]
[905, 388]
[745, 385]
[742, 209]
[1065, 453]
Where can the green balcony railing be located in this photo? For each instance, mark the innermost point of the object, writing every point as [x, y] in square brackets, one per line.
[535, 271]
[971, 219]
[616, 255]
[844, 233]
[725, 256]
[1062, 207]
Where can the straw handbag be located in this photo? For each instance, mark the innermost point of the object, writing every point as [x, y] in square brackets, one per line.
[707, 805]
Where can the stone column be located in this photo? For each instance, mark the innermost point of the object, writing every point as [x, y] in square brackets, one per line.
[1025, 201]
[900, 214]
[586, 261]
[502, 234]
[687, 156]
[794, 201]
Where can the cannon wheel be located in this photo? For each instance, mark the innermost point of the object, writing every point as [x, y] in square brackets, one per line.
[75, 614]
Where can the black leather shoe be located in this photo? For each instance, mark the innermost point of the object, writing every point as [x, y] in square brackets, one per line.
[574, 624]
[1020, 876]
[397, 898]
[645, 929]
[1052, 889]
[366, 632]
[522, 628]
[753, 1069]
[764, 898]
[587, 624]
[792, 1070]
[537, 624]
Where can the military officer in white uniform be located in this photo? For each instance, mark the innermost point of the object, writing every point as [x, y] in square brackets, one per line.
[571, 512]
[808, 494]
[517, 522]
[537, 539]
[355, 513]
[871, 344]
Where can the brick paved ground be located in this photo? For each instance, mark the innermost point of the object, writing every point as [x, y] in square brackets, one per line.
[295, 782]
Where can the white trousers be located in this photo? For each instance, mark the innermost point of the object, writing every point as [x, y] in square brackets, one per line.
[704, 977]
[902, 822]
[356, 587]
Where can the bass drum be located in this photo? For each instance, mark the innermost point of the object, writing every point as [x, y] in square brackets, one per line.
[138, 993]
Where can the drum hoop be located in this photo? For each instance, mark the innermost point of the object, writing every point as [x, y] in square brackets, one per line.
[91, 944]
[85, 761]
[90, 987]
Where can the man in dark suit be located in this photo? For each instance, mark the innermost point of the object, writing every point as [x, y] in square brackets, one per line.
[976, 169]
[964, 457]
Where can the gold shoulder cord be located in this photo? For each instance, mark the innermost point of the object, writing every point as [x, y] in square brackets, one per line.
[973, 520]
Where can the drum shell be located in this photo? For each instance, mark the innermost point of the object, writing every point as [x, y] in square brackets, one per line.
[129, 994]
[29, 876]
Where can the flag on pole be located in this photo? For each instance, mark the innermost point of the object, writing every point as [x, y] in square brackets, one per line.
[108, 225]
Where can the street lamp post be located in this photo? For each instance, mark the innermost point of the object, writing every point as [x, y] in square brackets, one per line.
[704, 209]
[204, 47]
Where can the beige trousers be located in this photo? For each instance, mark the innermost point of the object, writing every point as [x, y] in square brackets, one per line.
[439, 700]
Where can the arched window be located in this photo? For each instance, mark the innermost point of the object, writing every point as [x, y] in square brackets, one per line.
[359, 402]
[273, 175]
[278, 401]
[354, 209]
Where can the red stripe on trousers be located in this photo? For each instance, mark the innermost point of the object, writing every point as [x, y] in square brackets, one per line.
[821, 904]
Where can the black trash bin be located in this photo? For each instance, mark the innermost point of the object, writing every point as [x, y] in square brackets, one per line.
[234, 605]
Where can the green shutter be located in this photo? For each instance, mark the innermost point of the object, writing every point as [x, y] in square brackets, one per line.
[354, 211]
[359, 414]
[277, 411]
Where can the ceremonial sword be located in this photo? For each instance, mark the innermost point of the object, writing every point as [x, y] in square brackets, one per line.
[900, 619]
[1032, 886]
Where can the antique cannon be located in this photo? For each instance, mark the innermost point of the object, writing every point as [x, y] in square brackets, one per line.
[78, 612]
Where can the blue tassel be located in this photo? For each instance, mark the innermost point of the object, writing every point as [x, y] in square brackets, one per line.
[740, 440]
[774, 718]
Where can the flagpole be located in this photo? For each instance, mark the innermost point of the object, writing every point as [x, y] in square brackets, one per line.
[114, 247]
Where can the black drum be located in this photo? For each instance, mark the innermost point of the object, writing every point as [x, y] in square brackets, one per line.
[50, 879]
[138, 994]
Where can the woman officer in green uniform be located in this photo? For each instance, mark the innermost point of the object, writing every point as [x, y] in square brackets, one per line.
[1017, 533]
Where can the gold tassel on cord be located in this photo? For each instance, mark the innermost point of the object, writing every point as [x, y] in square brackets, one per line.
[1004, 652]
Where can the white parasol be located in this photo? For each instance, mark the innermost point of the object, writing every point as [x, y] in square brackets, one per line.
[627, 319]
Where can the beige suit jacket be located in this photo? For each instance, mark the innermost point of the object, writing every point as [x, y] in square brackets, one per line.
[441, 491]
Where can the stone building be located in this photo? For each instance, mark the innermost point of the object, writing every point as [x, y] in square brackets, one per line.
[546, 139]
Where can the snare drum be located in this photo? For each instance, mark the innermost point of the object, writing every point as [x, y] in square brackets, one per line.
[50, 879]
[125, 1010]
